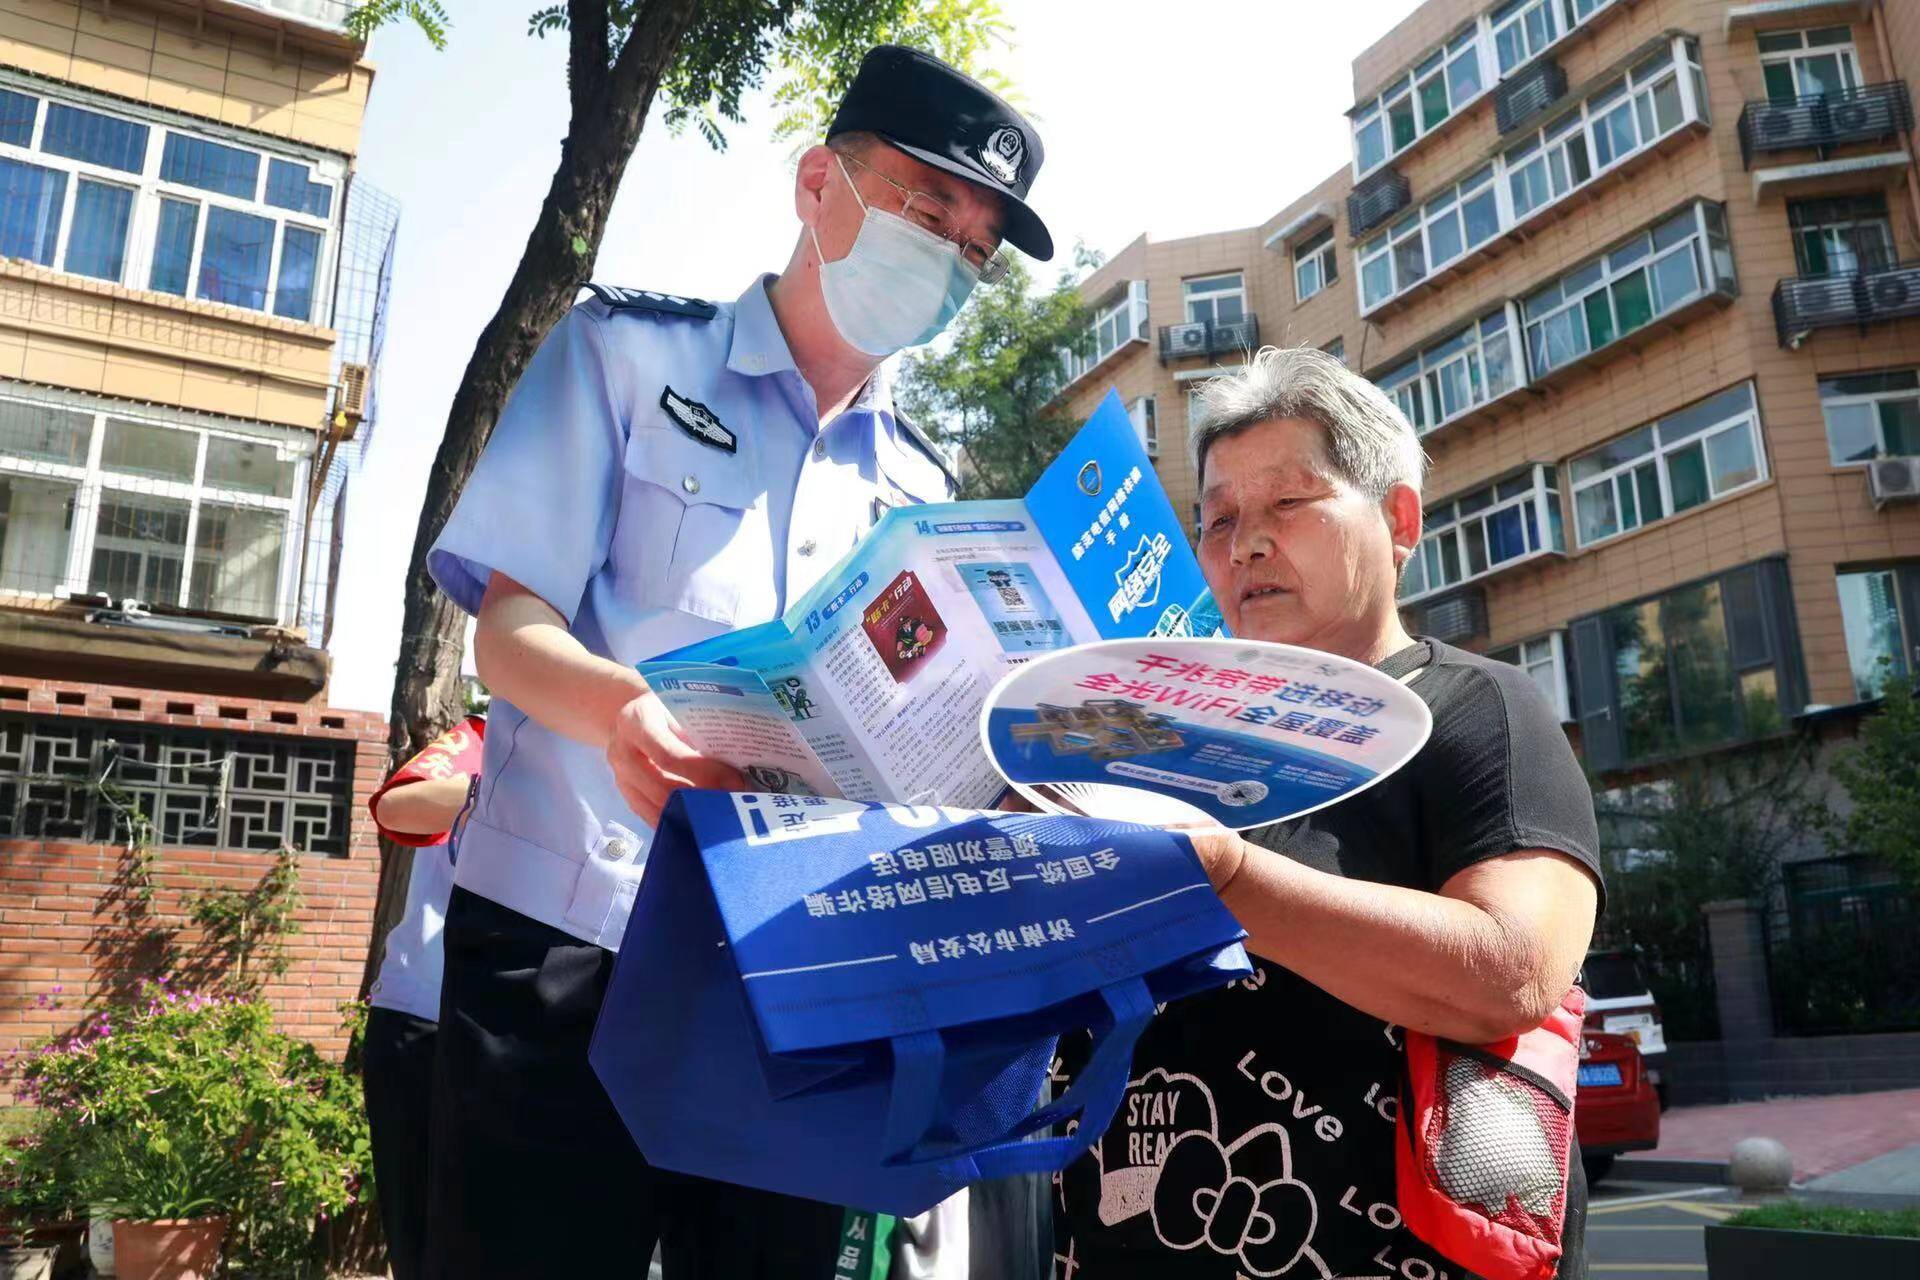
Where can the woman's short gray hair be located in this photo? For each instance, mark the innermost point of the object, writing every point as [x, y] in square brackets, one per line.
[1372, 445]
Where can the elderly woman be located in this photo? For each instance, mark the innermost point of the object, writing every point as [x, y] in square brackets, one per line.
[1456, 897]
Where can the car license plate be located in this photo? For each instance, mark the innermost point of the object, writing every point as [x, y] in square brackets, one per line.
[1600, 1073]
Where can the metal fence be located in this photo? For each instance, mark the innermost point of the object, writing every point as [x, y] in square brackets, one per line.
[1843, 950]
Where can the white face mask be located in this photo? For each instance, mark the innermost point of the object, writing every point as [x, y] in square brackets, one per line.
[898, 286]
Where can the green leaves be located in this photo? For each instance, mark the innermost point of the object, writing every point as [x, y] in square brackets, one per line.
[1881, 775]
[192, 1105]
[989, 392]
[427, 15]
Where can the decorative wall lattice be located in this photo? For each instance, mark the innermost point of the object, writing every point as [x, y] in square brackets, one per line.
[199, 788]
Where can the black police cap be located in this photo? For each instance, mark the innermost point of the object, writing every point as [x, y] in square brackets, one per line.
[954, 123]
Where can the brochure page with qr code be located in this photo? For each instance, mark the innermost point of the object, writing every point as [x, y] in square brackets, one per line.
[871, 685]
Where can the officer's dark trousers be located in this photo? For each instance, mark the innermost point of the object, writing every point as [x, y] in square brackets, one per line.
[534, 1174]
[397, 1071]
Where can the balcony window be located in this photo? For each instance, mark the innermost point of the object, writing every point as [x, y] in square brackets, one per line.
[1701, 454]
[1524, 29]
[1215, 299]
[1116, 322]
[1797, 64]
[1545, 662]
[173, 512]
[1876, 630]
[1458, 374]
[1706, 665]
[90, 192]
[1418, 101]
[1841, 236]
[1871, 415]
[1486, 531]
[1315, 265]
[1649, 103]
[1453, 223]
[1654, 274]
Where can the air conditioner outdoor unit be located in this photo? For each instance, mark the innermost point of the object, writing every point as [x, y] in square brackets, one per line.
[1893, 480]
[1188, 339]
[354, 379]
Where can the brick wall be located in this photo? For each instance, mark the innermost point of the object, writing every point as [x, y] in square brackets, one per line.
[57, 921]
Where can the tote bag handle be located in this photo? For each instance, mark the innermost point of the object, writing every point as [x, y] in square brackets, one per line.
[920, 1061]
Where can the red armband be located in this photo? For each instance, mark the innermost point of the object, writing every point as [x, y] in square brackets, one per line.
[455, 752]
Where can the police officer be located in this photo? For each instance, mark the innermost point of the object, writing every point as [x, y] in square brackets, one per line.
[666, 470]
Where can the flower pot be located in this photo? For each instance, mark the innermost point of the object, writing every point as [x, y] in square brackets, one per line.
[26, 1262]
[67, 1237]
[1770, 1253]
[100, 1245]
[171, 1249]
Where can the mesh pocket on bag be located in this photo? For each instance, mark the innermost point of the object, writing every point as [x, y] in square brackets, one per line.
[1496, 1142]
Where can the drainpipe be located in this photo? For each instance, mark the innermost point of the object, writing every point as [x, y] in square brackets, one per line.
[1906, 140]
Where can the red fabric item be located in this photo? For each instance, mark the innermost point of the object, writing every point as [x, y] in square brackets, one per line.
[1485, 1134]
[456, 751]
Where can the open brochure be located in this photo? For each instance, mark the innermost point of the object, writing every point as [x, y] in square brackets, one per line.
[871, 685]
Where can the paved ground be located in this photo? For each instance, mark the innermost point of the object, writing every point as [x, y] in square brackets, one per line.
[1825, 1135]
[1652, 1231]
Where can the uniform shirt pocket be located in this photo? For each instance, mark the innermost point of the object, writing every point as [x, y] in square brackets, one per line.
[693, 532]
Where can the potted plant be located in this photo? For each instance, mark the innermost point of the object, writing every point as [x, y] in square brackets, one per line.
[1793, 1239]
[171, 1188]
[39, 1201]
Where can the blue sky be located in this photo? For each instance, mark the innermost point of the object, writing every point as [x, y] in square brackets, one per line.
[1173, 129]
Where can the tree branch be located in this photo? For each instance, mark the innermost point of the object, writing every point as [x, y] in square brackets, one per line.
[587, 53]
[657, 31]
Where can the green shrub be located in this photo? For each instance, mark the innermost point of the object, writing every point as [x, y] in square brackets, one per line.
[1794, 1215]
[196, 1100]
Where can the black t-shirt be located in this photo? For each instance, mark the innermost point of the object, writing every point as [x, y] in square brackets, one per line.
[1298, 1091]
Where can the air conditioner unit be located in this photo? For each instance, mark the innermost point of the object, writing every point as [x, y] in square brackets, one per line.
[354, 381]
[1893, 480]
[1188, 339]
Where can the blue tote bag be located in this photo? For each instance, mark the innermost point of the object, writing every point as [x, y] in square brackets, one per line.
[859, 1003]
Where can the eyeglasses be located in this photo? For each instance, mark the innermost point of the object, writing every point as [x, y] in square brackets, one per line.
[929, 214]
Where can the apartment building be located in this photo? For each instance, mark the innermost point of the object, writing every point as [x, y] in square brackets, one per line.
[1645, 275]
[191, 288]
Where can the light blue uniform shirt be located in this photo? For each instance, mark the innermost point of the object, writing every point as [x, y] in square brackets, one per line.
[646, 537]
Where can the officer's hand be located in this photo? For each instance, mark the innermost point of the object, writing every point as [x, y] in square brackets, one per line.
[651, 757]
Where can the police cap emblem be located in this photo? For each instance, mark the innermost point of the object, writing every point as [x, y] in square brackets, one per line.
[1003, 153]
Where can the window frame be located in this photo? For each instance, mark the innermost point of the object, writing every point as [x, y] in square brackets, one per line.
[1873, 399]
[1658, 457]
[1847, 51]
[140, 249]
[1757, 619]
[1564, 16]
[1808, 216]
[1707, 245]
[1552, 146]
[1318, 253]
[1409, 85]
[1453, 524]
[1904, 587]
[1213, 295]
[1416, 385]
[96, 483]
[1143, 412]
[1554, 659]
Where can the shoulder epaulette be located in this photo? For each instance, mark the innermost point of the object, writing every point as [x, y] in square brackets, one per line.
[622, 299]
[924, 443]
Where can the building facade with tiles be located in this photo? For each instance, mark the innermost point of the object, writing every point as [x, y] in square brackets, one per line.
[191, 277]
[1645, 275]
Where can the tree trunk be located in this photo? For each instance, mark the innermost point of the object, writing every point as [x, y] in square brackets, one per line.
[609, 107]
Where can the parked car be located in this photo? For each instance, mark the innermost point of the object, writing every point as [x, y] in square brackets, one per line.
[1620, 1002]
[1615, 1108]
